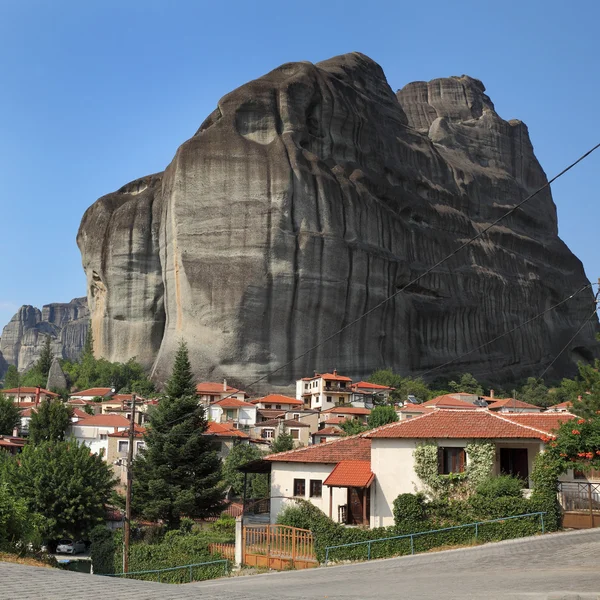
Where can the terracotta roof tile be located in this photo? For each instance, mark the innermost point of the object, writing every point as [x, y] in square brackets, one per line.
[93, 392]
[224, 430]
[103, 421]
[463, 424]
[286, 422]
[208, 387]
[417, 408]
[545, 421]
[138, 432]
[447, 401]
[511, 403]
[334, 377]
[371, 386]
[232, 403]
[277, 399]
[329, 431]
[348, 410]
[28, 391]
[269, 413]
[351, 473]
[347, 448]
[335, 420]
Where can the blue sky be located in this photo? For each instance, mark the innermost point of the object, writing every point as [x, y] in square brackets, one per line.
[97, 93]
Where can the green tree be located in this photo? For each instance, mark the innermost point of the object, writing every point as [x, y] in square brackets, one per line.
[238, 456]
[414, 387]
[381, 415]
[352, 427]
[467, 383]
[66, 484]
[33, 378]
[12, 378]
[45, 360]
[49, 422]
[10, 416]
[283, 443]
[535, 392]
[179, 472]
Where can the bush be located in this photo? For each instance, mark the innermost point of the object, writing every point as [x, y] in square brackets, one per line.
[409, 509]
[103, 550]
[501, 486]
[225, 524]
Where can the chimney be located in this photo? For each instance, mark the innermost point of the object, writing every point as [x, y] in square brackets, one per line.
[15, 432]
[37, 395]
[492, 394]
[335, 371]
[224, 385]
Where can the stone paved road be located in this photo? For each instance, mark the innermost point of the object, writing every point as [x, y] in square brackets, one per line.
[557, 566]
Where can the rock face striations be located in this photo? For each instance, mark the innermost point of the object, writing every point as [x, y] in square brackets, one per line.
[306, 198]
[24, 336]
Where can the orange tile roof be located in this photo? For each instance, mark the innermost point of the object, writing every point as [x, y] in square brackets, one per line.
[335, 420]
[77, 412]
[277, 399]
[28, 391]
[511, 403]
[351, 473]
[329, 431]
[224, 430]
[347, 448]
[93, 392]
[270, 413]
[80, 402]
[232, 403]
[448, 401]
[567, 404]
[138, 432]
[460, 424]
[544, 421]
[348, 410]
[372, 386]
[334, 377]
[103, 421]
[417, 408]
[208, 387]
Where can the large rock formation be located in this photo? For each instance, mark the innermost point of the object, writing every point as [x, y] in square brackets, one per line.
[24, 336]
[306, 198]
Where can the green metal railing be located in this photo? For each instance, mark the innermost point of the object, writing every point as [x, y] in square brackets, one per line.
[412, 536]
[190, 568]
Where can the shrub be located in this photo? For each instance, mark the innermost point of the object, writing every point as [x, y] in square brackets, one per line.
[501, 486]
[224, 524]
[409, 509]
[102, 550]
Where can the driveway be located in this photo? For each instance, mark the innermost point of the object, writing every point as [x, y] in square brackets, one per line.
[544, 567]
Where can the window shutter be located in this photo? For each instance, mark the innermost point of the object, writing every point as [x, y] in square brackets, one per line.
[441, 465]
[461, 461]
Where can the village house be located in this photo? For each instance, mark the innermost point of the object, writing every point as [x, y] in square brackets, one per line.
[324, 391]
[512, 405]
[327, 434]
[271, 430]
[232, 410]
[92, 394]
[356, 479]
[94, 431]
[12, 444]
[25, 396]
[277, 402]
[456, 402]
[225, 435]
[120, 404]
[209, 392]
[25, 414]
[118, 449]
[367, 395]
[336, 413]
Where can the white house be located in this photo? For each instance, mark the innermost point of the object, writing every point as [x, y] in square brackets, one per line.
[94, 431]
[360, 476]
[209, 392]
[345, 412]
[367, 394]
[277, 402]
[29, 395]
[91, 393]
[324, 391]
[232, 410]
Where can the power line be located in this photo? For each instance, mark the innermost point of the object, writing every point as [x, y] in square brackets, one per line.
[498, 337]
[416, 279]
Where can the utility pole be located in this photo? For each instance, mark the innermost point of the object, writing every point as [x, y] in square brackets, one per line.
[129, 485]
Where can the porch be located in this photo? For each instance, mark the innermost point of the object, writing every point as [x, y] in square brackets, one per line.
[356, 477]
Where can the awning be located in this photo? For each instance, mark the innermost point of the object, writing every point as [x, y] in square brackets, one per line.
[351, 473]
[256, 466]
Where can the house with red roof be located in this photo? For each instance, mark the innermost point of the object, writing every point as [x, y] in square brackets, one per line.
[232, 410]
[345, 412]
[367, 394]
[355, 479]
[224, 436]
[512, 405]
[118, 450]
[209, 392]
[277, 402]
[324, 390]
[28, 395]
[92, 393]
[94, 431]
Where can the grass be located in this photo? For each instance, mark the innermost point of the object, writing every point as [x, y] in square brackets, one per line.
[25, 560]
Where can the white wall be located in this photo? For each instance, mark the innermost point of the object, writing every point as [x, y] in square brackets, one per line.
[282, 484]
[90, 436]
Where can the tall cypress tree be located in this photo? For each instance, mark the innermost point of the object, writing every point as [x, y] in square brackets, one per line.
[46, 357]
[179, 473]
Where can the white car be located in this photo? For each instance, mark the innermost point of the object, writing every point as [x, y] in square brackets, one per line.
[70, 547]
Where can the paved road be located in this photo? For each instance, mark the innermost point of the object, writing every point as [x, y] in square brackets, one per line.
[557, 566]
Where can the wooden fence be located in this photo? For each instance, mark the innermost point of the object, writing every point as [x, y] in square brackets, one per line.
[225, 550]
[580, 501]
[278, 547]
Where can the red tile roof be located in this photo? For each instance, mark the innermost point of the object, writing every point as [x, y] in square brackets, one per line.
[348, 410]
[138, 432]
[347, 448]
[9, 441]
[448, 401]
[335, 420]
[511, 403]
[28, 391]
[93, 392]
[334, 377]
[351, 473]
[329, 431]
[80, 402]
[277, 399]
[566, 405]
[232, 403]
[224, 430]
[371, 386]
[103, 421]
[269, 413]
[461, 424]
[208, 388]
[544, 421]
[81, 414]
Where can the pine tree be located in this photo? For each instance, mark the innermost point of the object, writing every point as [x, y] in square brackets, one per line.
[49, 423]
[12, 378]
[10, 417]
[46, 357]
[179, 472]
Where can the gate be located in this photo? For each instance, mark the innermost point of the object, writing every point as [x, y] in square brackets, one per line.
[580, 501]
[278, 547]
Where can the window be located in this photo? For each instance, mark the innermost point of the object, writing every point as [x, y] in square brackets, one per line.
[268, 433]
[123, 445]
[300, 487]
[322, 440]
[296, 416]
[103, 436]
[306, 386]
[316, 488]
[268, 405]
[230, 413]
[140, 446]
[278, 406]
[451, 460]
[329, 399]
[295, 433]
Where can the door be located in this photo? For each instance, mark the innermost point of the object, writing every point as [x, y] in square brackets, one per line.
[513, 461]
[356, 506]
